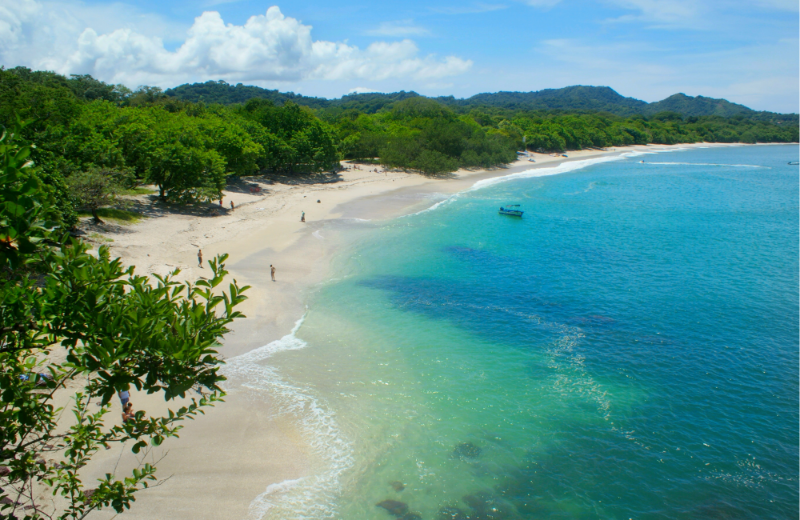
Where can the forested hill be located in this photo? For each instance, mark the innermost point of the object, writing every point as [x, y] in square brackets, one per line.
[569, 99]
[699, 106]
[576, 98]
[94, 139]
[220, 92]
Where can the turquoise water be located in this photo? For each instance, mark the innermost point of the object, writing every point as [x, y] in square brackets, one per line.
[628, 349]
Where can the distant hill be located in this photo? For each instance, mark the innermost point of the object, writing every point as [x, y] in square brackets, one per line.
[595, 99]
[698, 106]
[576, 98]
[226, 94]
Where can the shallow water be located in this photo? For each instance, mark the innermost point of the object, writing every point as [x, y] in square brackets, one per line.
[628, 349]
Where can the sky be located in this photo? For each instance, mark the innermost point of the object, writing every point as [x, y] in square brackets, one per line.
[745, 51]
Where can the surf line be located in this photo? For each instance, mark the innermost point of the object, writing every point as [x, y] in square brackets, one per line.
[310, 495]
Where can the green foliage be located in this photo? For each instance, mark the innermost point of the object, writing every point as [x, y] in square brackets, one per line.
[114, 330]
[421, 134]
[96, 188]
[295, 139]
[220, 92]
[23, 222]
[186, 141]
[225, 94]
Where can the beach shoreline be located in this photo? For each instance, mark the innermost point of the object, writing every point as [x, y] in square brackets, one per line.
[246, 448]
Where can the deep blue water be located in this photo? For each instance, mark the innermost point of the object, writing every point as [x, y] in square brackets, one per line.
[627, 349]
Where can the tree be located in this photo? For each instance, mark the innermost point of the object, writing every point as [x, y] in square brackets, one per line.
[95, 188]
[113, 331]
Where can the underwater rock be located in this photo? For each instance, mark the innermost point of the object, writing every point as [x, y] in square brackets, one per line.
[394, 507]
[489, 507]
[467, 450]
[411, 516]
[451, 513]
[397, 485]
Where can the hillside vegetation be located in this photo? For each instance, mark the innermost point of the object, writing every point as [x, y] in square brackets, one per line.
[94, 140]
[568, 99]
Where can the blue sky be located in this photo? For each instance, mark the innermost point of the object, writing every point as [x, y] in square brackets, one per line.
[744, 51]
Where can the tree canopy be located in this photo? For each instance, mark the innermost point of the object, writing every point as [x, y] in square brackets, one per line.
[80, 323]
[187, 140]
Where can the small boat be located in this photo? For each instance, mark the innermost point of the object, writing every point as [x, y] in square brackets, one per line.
[512, 210]
[793, 163]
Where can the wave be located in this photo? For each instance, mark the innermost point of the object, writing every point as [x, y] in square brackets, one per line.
[449, 199]
[542, 172]
[710, 164]
[315, 495]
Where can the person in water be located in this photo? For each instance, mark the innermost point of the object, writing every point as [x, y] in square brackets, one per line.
[272, 271]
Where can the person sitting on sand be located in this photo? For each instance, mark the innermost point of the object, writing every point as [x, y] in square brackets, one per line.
[127, 412]
[200, 258]
[272, 271]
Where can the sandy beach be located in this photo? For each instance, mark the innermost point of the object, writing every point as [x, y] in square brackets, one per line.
[242, 449]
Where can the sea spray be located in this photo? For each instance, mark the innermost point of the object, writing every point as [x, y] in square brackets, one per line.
[313, 496]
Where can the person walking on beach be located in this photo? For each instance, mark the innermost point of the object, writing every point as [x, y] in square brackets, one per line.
[200, 258]
[232, 206]
[302, 216]
[272, 271]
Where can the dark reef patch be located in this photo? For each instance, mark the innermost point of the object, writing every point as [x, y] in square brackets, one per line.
[467, 450]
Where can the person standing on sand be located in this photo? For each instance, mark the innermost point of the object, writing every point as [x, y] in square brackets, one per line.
[302, 216]
[232, 206]
[124, 397]
[272, 271]
[200, 258]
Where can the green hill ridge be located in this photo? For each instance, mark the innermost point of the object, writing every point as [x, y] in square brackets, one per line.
[580, 98]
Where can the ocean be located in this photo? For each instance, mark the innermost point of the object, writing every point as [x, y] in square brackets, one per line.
[626, 350]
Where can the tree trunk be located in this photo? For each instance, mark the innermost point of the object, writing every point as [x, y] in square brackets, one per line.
[97, 219]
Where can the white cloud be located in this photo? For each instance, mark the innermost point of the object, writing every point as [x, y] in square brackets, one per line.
[541, 3]
[477, 7]
[361, 90]
[659, 13]
[399, 28]
[782, 5]
[267, 48]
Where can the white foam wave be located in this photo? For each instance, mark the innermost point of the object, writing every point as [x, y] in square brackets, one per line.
[637, 154]
[317, 234]
[710, 164]
[448, 200]
[308, 497]
[542, 172]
